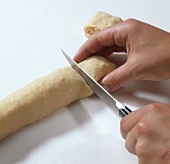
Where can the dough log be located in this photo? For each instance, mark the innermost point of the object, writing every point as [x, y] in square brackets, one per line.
[99, 21]
[47, 94]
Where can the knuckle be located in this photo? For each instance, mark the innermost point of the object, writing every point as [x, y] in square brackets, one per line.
[142, 129]
[141, 149]
[131, 23]
[153, 108]
[131, 20]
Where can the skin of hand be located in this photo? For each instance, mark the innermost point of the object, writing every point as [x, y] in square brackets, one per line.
[146, 130]
[147, 47]
[147, 133]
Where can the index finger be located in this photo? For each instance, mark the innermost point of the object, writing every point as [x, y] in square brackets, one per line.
[129, 122]
[111, 36]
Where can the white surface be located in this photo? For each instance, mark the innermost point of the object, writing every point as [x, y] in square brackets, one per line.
[32, 33]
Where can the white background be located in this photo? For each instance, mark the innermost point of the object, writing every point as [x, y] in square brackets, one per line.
[32, 32]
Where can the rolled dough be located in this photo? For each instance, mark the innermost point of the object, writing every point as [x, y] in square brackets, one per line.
[99, 21]
[47, 94]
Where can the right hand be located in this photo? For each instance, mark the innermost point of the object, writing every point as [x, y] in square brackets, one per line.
[147, 47]
[147, 133]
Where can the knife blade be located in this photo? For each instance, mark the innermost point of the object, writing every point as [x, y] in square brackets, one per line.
[98, 89]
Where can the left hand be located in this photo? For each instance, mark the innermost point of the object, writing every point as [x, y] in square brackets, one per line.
[147, 133]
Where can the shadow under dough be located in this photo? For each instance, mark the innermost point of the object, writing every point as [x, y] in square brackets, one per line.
[17, 146]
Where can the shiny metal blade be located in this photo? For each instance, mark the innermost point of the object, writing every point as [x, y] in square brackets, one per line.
[98, 89]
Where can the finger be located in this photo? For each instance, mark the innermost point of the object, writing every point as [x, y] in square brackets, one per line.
[136, 143]
[129, 122]
[106, 51]
[118, 78]
[110, 36]
[131, 141]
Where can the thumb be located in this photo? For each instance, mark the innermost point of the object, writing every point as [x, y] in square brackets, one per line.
[118, 78]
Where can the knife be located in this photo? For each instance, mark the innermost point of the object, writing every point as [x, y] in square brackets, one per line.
[98, 89]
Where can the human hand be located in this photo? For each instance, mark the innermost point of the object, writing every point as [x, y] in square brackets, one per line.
[147, 47]
[147, 133]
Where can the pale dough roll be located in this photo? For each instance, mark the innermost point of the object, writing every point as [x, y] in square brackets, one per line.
[99, 21]
[47, 94]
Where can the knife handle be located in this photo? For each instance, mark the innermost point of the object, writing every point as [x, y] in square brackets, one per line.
[124, 111]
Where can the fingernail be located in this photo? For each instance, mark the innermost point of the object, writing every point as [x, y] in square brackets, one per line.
[103, 84]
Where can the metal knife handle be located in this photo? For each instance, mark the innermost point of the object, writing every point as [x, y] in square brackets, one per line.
[124, 111]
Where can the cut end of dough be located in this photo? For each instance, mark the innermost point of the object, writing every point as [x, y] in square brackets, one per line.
[99, 21]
